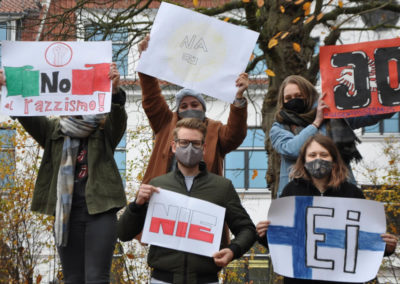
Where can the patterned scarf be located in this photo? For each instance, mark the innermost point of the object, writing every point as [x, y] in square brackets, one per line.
[338, 129]
[74, 129]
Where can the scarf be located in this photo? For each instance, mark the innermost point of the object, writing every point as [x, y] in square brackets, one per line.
[338, 129]
[73, 129]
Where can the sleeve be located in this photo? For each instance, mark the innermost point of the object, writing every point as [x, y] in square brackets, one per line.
[131, 222]
[286, 143]
[240, 225]
[116, 121]
[233, 133]
[39, 127]
[362, 121]
[154, 104]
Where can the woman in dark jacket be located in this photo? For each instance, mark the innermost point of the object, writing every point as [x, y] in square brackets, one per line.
[320, 171]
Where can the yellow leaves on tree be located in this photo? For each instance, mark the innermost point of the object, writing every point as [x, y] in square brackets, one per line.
[260, 3]
[282, 9]
[195, 3]
[255, 174]
[246, 1]
[298, 2]
[320, 16]
[340, 3]
[285, 34]
[309, 19]
[270, 73]
[272, 43]
[226, 19]
[296, 47]
[296, 20]
[307, 8]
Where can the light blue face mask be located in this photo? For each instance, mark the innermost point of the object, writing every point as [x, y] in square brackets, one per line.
[192, 113]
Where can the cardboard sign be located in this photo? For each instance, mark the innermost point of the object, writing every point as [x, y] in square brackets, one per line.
[361, 79]
[197, 52]
[56, 78]
[183, 223]
[325, 238]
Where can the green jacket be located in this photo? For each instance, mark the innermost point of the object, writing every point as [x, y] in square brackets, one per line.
[104, 189]
[206, 186]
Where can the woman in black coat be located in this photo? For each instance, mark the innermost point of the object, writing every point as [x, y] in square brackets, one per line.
[320, 171]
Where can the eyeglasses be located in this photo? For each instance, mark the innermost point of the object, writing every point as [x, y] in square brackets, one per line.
[184, 143]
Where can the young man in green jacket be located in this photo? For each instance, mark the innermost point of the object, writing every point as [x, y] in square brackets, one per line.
[192, 179]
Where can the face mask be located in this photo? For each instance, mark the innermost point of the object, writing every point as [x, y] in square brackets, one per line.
[319, 168]
[189, 156]
[192, 113]
[296, 105]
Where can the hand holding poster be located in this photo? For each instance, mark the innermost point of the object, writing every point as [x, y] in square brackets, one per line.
[325, 238]
[197, 51]
[56, 78]
[183, 223]
[361, 79]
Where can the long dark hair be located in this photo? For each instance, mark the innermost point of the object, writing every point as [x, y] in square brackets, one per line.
[339, 169]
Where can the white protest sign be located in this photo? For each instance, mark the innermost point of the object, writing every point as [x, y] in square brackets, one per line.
[196, 51]
[325, 238]
[56, 78]
[183, 223]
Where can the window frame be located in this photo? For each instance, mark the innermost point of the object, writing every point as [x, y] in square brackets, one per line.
[8, 148]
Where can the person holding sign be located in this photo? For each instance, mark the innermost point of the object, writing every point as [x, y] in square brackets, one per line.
[190, 178]
[221, 140]
[320, 171]
[300, 115]
[79, 182]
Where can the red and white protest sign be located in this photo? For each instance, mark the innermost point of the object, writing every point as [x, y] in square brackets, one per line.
[56, 78]
[183, 223]
[361, 79]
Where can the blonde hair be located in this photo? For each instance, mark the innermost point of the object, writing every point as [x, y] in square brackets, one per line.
[190, 123]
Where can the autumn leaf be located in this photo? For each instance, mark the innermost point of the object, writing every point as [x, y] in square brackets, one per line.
[270, 73]
[38, 279]
[298, 2]
[284, 35]
[195, 3]
[226, 19]
[296, 47]
[255, 174]
[306, 8]
[320, 16]
[272, 43]
[260, 3]
[296, 20]
[246, 1]
[278, 34]
[340, 3]
[130, 256]
[252, 57]
[282, 9]
[309, 19]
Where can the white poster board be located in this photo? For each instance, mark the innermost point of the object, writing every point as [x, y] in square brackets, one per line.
[326, 238]
[197, 52]
[183, 223]
[56, 78]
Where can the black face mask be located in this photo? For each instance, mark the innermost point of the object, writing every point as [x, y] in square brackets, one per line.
[296, 105]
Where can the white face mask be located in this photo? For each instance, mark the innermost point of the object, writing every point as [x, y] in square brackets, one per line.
[189, 156]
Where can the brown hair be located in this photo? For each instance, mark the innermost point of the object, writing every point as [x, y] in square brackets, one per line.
[190, 123]
[306, 88]
[339, 168]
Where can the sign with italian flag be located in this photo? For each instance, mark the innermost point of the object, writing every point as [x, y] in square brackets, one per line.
[56, 78]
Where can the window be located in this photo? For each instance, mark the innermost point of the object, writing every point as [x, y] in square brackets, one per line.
[3, 35]
[119, 45]
[246, 167]
[7, 158]
[261, 65]
[389, 125]
[120, 158]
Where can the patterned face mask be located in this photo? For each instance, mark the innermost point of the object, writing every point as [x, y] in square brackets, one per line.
[319, 168]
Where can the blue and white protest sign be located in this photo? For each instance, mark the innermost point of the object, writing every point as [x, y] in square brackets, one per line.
[326, 238]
